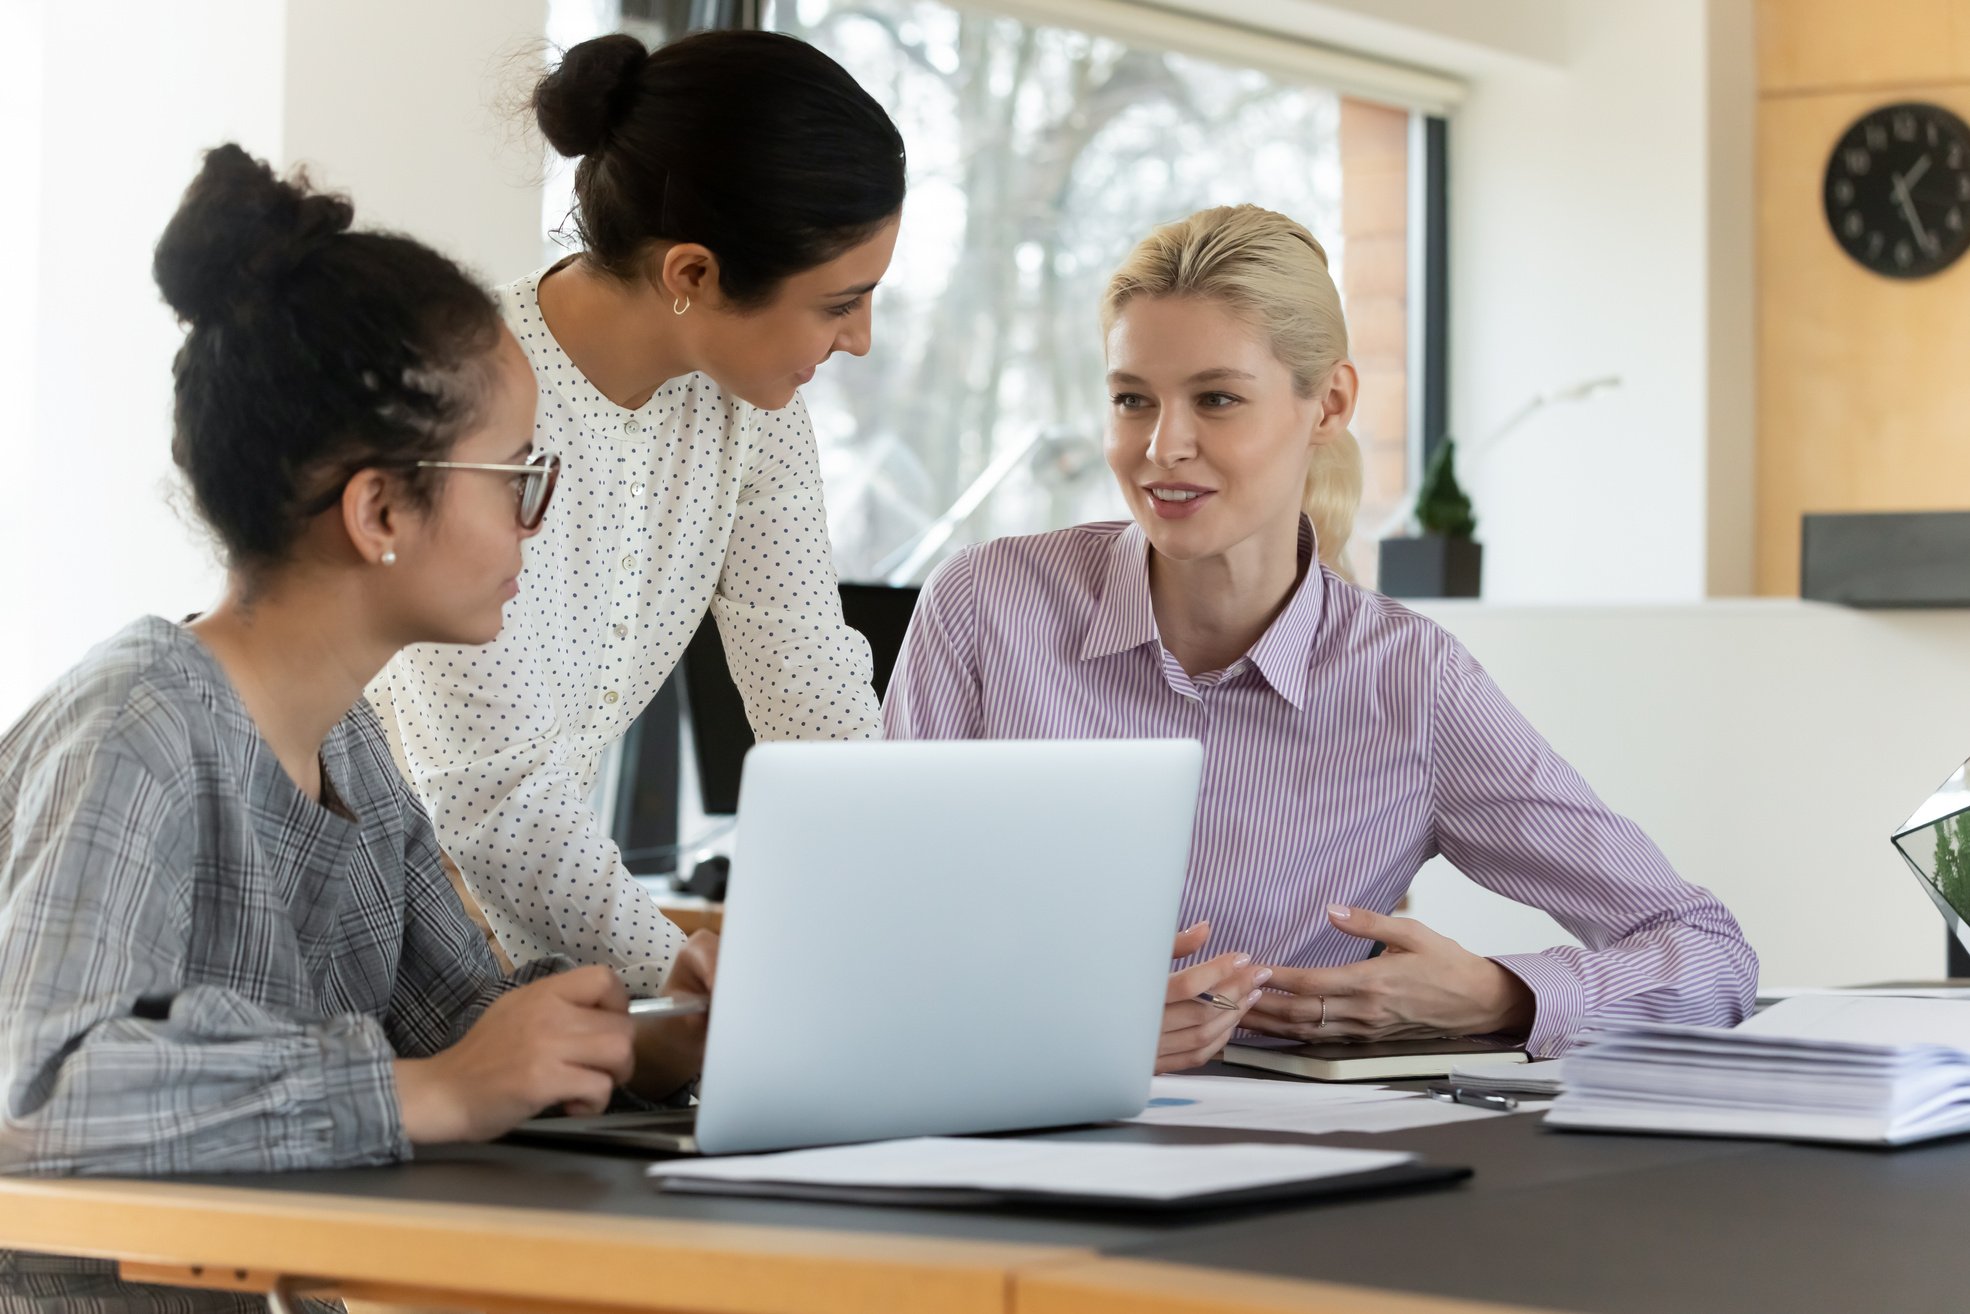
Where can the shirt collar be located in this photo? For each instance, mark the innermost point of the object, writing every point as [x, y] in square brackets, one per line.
[1124, 617]
[1284, 653]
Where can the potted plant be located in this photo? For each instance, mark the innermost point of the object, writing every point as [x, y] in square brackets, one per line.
[1443, 560]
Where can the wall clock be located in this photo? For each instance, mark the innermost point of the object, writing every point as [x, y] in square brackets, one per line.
[1897, 190]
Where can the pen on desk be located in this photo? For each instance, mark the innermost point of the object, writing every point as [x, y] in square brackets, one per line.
[1477, 1099]
[669, 1006]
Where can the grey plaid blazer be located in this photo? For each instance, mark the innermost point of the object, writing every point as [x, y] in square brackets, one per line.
[201, 968]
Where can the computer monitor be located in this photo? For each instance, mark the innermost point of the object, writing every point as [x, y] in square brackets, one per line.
[1935, 842]
[719, 729]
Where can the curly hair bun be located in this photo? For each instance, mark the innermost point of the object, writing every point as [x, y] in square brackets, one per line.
[584, 97]
[238, 230]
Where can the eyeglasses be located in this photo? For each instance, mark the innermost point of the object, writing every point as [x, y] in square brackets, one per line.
[535, 480]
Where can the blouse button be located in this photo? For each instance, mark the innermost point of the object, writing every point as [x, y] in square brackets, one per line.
[610, 696]
[629, 561]
[622, 631]
[632, 426]
[637, 490]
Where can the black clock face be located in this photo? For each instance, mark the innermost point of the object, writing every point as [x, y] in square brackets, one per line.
[1898, 190]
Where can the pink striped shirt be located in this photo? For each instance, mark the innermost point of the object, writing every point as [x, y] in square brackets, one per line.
[1355, 741]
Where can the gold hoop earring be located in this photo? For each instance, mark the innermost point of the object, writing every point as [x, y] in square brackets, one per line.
[680, 305]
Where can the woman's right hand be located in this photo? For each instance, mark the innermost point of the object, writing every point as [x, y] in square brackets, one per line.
[671, 1051]
[1194, 1031]
[563, 1040]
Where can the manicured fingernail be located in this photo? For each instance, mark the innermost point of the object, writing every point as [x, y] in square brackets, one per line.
[1241, 960]
[1264, 975]
[1193, 926]
[1253, 998]
[1338, 911]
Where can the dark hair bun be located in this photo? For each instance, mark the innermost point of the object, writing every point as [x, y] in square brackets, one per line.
[584, 97]
[238, 229]
[314, 350]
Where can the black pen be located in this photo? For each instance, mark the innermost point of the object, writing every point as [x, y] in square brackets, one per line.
[1477, 1099]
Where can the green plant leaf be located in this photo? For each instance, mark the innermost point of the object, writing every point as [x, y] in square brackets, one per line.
[1441, 504]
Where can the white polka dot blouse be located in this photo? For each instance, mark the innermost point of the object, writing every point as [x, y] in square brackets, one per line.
[693, 501]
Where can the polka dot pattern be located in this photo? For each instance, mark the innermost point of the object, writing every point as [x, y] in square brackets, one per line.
[694, 501]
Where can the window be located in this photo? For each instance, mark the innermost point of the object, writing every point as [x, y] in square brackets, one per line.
[1039, 154]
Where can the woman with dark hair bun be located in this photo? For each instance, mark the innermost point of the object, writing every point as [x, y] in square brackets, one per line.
[737, 198]
[227, 942]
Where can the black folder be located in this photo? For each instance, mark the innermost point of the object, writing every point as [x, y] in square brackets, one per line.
[1396, 1177]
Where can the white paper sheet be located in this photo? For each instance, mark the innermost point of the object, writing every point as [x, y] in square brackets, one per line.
[1148, 1172]
[1866, 1020]
[1411, 1114]
[1294, 1106]
[1862, 992]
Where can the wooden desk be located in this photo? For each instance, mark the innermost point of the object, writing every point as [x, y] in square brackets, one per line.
[692, 914]
[406, 1251]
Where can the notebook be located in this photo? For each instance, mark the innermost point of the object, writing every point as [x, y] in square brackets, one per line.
[1867, 1070]
[998, 1172]
[1376, 1060]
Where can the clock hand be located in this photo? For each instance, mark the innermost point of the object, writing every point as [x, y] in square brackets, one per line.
[1899, 184]
[1908, 179]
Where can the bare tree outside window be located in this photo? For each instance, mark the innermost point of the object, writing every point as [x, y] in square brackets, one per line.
[1038, 156]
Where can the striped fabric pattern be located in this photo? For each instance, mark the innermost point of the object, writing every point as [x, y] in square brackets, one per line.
[1355, 741]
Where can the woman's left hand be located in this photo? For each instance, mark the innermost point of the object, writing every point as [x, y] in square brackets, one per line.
[671, 1050]
[1421, 984]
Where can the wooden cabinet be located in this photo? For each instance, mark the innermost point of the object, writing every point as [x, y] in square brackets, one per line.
[1863, 381]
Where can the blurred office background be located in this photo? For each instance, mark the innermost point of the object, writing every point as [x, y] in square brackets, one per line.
[1585, 239]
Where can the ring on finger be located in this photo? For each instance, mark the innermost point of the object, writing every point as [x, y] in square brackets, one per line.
[1323, 1012]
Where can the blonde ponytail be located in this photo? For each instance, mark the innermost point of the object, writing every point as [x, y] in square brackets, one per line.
[1333, 495]
[1272, 269]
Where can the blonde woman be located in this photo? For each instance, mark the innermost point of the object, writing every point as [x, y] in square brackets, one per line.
[1347, 740]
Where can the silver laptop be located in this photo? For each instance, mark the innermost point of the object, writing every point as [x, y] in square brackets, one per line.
[936, 938]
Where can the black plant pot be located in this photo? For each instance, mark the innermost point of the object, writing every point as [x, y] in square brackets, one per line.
[1431, 567]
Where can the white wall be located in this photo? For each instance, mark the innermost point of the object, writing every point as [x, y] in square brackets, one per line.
[1591, 235]
[1600, 208]
[20, 231]
[412, 109]
[129, 94]
[1769, 747]
[108, 108]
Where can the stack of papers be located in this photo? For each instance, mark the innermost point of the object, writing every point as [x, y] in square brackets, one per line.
[951, 1170]
[1866, 1069]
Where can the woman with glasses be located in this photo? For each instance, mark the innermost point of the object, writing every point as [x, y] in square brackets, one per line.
[226, 939]
[737, 198]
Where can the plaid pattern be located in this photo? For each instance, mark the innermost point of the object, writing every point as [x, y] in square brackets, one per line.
[201, 968]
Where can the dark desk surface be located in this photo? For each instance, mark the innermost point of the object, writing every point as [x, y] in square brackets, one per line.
[1595, 1224]
[1635, 1225]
